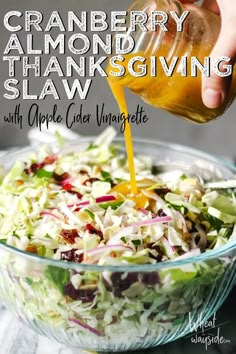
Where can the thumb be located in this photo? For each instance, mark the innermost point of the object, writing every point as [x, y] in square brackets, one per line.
[215, 88]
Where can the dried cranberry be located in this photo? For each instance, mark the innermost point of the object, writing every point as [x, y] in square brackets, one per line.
[161, 213]
[33, 168]
[83, 172]
[152, 316]
[120, 282]
[179, 250]
[37, 166]
[90, 180]
[67, 187]
[85, 295]
[107, 284]
[162, 191]
[158, 258]
[79, 195]
[62, 177]
[72, 256]
[70, 291]
[70, 235]
[151, 278]
[147, 305]
[49, 160]
[92, 230]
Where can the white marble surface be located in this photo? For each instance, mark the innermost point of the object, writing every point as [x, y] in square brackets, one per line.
[15, 338]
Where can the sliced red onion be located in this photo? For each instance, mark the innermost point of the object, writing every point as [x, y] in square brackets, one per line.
[103, 199]
[86, 326]
[67, 181]
[98, 250]
[156, 220]
[79, 204]
[129, 229]
[144, 211]
[46, 213]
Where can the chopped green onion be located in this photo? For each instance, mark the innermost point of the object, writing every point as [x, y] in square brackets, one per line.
[90, 214]
[4, 240]
[15, 235]
[43, 173]
[29, 281]
[113, 205]
[180, 208]
[136, 242]
[106, 176]
[213, 221]
[91, 147]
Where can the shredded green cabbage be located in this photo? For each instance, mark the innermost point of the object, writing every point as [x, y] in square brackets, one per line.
[77, 207]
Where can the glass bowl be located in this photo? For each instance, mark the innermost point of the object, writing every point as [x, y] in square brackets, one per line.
[124, 307]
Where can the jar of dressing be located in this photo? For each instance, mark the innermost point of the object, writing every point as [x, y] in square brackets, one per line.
[179, 93]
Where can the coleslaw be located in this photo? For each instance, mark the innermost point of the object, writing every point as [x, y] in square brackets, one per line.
[76, 206]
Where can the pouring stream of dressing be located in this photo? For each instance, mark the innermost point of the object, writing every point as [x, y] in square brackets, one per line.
[119, 95]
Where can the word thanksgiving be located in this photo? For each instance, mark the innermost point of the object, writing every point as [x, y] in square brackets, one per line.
[65, 62]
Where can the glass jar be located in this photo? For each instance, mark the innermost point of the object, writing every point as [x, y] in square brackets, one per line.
[177, 94]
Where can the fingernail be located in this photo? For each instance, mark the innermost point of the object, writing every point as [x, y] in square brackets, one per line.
[212, 98]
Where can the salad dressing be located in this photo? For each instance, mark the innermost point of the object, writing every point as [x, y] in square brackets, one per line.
[119, 95]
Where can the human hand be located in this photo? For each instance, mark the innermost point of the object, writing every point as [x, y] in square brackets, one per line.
[215, 88]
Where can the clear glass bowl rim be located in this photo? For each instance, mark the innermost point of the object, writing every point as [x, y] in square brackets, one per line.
[219, 252]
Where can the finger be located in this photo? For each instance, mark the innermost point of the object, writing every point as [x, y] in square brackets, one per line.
[215, 88]
[211, 5]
